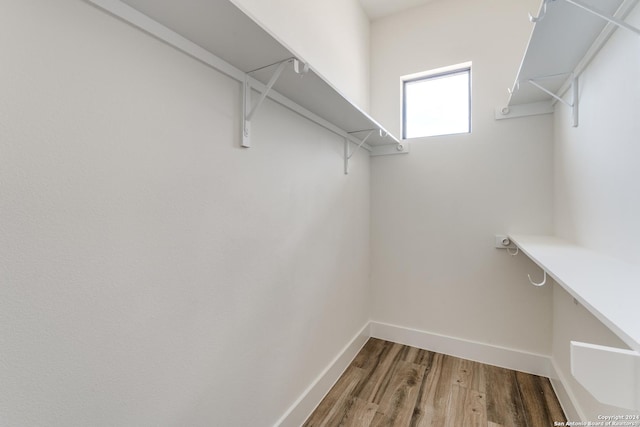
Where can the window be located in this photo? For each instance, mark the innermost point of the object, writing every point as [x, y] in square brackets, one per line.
[437, 102]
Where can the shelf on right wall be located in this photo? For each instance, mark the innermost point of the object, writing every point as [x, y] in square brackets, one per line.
[609, 289]
[566, 35]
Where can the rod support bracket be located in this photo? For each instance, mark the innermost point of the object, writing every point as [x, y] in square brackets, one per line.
[574, 95]
[348, 155]
[248, 111]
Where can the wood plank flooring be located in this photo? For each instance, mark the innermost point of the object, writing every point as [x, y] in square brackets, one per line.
[389, 384]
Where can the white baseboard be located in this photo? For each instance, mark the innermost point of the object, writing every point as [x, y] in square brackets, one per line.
[313, 395]
[531, 363]
[567, 399]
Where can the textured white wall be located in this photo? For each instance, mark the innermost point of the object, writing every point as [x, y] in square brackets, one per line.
[152, 272]
[332, 35]
[435, 211]
[597, 187]
[597, 202]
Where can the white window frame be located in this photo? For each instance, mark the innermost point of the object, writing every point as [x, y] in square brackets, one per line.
[425, 75]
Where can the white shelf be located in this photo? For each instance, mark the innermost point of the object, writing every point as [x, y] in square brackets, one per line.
[562, 43]
[222, 36]
[607, 287]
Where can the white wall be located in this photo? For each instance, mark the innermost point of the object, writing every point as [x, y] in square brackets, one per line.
[435, 211]
[597, 202]
[331, 35]
[597, 191]
[153, 272]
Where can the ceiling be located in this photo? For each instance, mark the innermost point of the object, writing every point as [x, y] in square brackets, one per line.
[379, 8]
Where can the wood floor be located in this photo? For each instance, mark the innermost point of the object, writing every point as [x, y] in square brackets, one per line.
[390, 384]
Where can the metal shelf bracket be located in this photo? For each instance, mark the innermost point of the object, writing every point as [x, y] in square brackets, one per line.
[249, 111]
[574, 101]
[348, 155]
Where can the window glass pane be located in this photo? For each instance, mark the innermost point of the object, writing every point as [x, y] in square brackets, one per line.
[437, 105]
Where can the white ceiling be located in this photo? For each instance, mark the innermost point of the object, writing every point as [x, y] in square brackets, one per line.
[379, 8]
